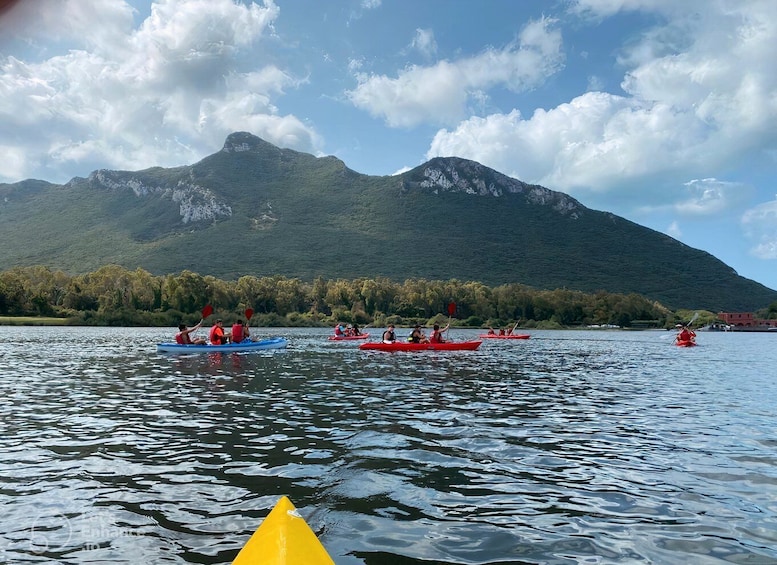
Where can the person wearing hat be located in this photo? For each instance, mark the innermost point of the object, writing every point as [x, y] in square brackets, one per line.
[389, 336]
[417, 335]
[685, 334]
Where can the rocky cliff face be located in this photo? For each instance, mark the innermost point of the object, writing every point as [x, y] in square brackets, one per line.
[452, 174]
[195, 203]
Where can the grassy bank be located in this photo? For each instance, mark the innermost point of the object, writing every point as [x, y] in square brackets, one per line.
[32, 321]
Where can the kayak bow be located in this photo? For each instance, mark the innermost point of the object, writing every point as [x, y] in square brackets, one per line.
[283, 538]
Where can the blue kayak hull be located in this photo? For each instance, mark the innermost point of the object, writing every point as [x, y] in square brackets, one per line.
[243, 347]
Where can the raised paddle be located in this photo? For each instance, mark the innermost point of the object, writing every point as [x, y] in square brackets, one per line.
[207, 311]
[249, 312]
[451, 312]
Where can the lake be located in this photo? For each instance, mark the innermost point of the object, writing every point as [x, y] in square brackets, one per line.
[569, 447]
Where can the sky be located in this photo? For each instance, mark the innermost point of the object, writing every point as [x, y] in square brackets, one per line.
[663, 112]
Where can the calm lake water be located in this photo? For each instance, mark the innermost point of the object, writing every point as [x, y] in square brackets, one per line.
[569, 447]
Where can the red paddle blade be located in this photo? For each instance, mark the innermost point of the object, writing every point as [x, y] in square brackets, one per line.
[207, 311]
[249, 312]
[451, 309]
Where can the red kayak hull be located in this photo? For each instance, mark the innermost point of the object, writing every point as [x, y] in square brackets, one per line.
[685, 343]
[497, 336]
[348, 337]
[408, 346]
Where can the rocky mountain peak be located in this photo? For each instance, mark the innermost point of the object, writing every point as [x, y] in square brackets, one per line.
[457, 175]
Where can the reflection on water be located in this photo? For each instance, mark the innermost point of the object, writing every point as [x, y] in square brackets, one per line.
[569, 447]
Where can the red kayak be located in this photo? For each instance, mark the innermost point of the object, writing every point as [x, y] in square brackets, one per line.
[685, 342]
[348, 337]
[409, 346]
[511, 336]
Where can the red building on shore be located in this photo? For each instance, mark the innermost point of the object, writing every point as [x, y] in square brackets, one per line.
[745, 320]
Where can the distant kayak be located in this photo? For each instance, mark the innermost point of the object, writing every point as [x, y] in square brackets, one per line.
[498, 336]
[283, 538]
[409, 346]
[348, 337]
[243, 346]
[685, 342]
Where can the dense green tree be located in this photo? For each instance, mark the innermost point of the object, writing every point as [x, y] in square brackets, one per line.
[114, 295]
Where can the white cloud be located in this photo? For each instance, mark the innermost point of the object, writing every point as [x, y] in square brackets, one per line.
[424, 43]
[605, 8]
[162, 94]
[439, 93]
[760, 225]
[97, 25]
[701, 93]
[710, 196]
[674, 230]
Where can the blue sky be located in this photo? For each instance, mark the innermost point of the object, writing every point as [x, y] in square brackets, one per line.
[660, 111]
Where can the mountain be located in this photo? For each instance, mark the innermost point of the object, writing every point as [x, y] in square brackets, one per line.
[255, 209]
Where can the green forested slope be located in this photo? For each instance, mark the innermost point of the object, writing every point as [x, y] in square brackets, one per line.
[296, 215]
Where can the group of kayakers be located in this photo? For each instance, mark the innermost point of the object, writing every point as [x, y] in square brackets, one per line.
[350, 330]
[502, 331]
[216, 336]
[417, 335]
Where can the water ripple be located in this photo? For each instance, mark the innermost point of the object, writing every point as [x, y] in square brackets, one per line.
[597, 447]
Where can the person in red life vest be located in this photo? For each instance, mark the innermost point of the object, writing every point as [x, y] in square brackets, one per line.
[184, 338]
[217, 335]
[686, 334]
[436, 336]
[237, 331]
[339, 330]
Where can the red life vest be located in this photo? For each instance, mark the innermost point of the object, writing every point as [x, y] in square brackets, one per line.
[217, 335]
[237, 333]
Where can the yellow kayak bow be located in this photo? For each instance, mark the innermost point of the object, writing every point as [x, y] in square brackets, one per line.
[284, 538]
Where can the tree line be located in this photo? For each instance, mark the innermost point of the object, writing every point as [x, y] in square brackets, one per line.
[113, 295]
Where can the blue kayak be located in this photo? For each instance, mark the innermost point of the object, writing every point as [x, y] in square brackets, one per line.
[242, 347]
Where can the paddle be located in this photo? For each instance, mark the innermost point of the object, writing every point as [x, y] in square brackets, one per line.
[207, 311]
[249, 312]
[688, 325]
[451, 312]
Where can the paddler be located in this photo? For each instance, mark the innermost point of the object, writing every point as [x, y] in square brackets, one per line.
[217, 335]
[184, 338]
[685, 334]
[389, 336]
